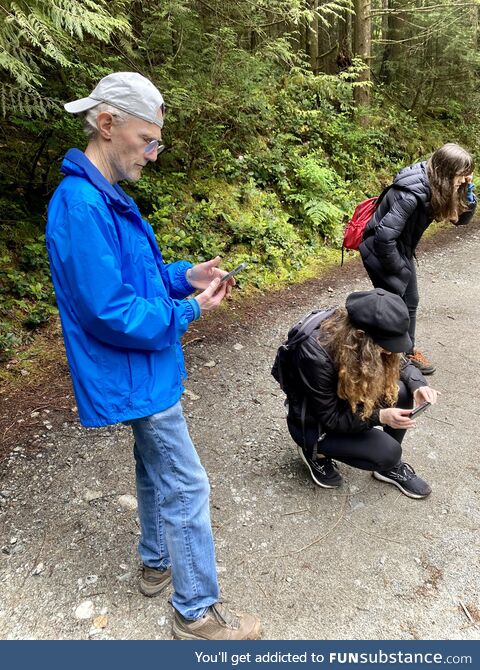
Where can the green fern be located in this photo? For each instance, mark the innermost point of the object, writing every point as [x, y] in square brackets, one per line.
[315, 193]
[40, 35]
[25, 102]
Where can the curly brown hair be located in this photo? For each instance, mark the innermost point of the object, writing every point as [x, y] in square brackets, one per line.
[448, 162]
[367, 376]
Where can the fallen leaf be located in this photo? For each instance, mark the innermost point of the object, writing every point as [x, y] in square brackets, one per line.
[100, 621]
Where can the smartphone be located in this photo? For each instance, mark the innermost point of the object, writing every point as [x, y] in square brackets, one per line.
[420, 409]
[233, 272]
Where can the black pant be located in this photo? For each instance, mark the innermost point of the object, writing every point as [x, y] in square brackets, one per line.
[410, 297]
[371, 450]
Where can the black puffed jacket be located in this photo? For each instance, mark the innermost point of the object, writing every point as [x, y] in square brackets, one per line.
[318, 381]
[392, 235]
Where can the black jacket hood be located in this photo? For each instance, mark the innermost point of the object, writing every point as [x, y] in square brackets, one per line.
[414, 178]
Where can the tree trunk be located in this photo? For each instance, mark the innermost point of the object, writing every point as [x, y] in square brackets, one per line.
[475, 19]
[363, 47]
[328, 47]
[312, 33]
[394, 29]
[345, 47]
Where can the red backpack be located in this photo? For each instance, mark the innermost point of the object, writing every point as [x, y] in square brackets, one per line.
[353, 234]
[355, 227]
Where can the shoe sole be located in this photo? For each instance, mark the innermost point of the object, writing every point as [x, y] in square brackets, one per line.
[153, 591]
[312, 475]
[181, 634]
[409, 494]
[425, 371]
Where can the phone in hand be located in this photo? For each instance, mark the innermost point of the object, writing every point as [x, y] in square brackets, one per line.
[233, 272]
[419, 410]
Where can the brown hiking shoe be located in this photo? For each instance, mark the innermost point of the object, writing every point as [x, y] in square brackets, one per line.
[217, 623]
[152, 581]
[421, 362]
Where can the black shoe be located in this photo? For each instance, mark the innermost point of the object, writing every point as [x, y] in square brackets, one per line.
[323, 471]
[403, 476]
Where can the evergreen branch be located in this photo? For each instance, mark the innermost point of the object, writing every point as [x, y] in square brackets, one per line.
[25, 102]
[418, 10]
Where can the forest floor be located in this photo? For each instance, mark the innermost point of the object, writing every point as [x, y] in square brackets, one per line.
[360, 562]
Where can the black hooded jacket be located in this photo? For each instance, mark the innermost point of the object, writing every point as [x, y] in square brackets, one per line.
[401, 218]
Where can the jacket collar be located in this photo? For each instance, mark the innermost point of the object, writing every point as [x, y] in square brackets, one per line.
[76, 163]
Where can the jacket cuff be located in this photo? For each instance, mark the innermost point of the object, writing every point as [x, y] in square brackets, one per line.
[192, 311]
[374, 419]
[467, 216]
[181, 277]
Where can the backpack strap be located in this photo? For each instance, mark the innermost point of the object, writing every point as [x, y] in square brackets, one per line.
[311, 451]
[302, 419]
[282, 347]
[383, 194]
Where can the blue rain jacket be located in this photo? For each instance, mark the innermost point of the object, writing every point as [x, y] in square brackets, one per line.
[123, 310]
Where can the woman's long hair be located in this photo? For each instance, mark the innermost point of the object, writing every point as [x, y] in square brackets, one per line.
[446, 163]
[367, 377]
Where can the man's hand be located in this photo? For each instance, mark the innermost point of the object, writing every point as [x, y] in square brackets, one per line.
[212, 296]
[397, 418]
[201, 275]
[425, 394]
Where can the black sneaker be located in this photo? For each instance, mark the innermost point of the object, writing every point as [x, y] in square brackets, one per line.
[403, 476]
[323, 471]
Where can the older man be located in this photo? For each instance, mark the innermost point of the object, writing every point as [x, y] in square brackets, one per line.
[123, 311]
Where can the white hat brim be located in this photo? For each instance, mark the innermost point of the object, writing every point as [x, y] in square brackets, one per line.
[77, 106]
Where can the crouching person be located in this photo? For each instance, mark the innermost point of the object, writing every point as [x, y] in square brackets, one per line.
[344, 375]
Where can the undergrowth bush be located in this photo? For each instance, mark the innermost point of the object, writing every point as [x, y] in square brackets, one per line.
[238, 221]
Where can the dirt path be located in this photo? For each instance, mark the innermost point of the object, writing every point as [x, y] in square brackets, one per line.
[362, 562]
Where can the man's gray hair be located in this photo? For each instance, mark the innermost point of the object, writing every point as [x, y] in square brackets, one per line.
[91, 115]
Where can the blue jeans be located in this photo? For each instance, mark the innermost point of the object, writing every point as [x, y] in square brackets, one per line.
[173, 506]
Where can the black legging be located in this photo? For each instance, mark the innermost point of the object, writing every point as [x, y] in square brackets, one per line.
[410, 297]
[371, 450]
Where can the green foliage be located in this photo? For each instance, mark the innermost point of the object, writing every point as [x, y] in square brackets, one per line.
[9, 341]
[315, 188]
[26, 293]
[38, 316]
[40, 35]
[239, 222]
[264, 158]
[430, 63]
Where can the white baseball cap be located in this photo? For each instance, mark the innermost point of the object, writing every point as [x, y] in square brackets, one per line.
[128, 91]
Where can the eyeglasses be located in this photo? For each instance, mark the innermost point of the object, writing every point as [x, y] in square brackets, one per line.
[152, 146]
